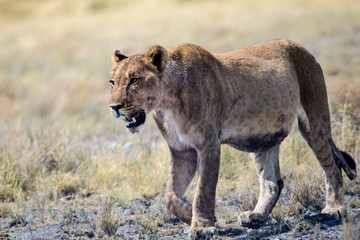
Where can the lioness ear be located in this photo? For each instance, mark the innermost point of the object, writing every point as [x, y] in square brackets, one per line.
[118, 56]
[157, 56]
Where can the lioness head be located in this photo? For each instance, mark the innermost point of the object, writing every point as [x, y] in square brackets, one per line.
[135, 86]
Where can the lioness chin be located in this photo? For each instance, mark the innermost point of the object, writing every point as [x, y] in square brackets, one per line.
[248, 99]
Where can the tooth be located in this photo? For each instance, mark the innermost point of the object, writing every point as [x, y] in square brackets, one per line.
[115, 114]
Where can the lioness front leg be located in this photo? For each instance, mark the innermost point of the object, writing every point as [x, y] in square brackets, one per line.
[182, 168]
[202, 224]
[267, 167]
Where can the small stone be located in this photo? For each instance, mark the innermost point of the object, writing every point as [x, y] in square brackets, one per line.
[126, 212]
[186, 231]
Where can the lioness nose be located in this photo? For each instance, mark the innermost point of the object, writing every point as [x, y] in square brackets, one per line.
[117, 107]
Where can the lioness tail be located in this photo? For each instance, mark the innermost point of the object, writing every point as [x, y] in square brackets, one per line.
[344, 161]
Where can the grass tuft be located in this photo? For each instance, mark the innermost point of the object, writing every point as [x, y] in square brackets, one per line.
[307, 193]
[108, 221]
[5, 210]
[6, 194]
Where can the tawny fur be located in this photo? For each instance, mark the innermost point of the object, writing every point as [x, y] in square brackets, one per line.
[248, 99]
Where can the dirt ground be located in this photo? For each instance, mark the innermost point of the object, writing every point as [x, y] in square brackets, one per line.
[100, 218]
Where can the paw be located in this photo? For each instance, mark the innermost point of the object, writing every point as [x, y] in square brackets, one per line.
[336, 213]
[197, 233]
[251, 220]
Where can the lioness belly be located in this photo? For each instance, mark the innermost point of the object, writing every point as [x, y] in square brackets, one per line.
[257, 143]
[255, 135]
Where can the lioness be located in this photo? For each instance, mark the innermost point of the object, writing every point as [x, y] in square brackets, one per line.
[248, 99]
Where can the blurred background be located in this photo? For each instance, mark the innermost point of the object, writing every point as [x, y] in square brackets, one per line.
[57, 135]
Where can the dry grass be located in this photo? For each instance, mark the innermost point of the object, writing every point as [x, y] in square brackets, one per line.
[108, 222]
[58, 139]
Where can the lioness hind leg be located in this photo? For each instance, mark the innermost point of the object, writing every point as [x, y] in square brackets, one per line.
[182, 168]
[319, 140]
[267, 167]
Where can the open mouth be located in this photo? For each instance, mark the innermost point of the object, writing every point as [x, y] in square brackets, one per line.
[136, 119]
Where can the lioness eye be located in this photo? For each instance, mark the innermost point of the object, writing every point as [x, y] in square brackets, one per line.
[111, 82]
[134, 80]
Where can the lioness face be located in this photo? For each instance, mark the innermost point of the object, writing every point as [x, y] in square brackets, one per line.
[135, 87]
